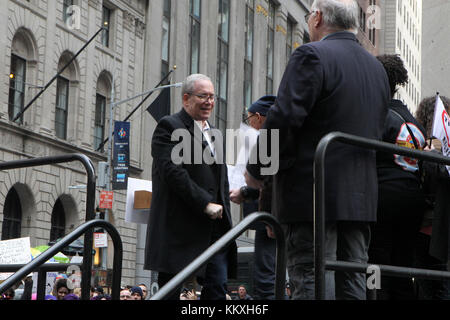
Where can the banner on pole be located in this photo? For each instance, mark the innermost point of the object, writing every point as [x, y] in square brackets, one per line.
[441, 127]
[121, 159]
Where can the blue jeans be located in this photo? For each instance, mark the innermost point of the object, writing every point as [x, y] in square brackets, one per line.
[346, 241]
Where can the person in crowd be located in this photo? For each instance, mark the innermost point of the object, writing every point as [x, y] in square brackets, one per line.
[265, 247]
[187, 294]
[125, 294]
[242, 293]
[97, 291]
[77, 291]
[401, 200]
[61, 289]
[27, 288]
[144, 290]
[191, 206]
[432, 243]
[136, 293]
[8, 294]
[330, 84]
[72, 296]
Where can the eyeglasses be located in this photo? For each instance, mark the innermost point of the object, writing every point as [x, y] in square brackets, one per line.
[246, 119]
[205, 97]
[308, 14]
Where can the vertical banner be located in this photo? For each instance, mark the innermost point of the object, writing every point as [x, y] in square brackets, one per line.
[121, 159]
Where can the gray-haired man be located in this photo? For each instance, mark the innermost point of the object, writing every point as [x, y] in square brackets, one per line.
[330, 84]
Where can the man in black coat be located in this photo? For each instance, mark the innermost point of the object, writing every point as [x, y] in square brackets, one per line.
[190, 204]
[330, 84]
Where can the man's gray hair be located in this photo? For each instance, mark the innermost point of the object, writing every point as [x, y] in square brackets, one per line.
[339, 14]
[189, 82]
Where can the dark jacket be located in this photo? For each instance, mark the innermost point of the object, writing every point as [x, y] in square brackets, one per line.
[395, 167]
[329, 85]
[178, 230]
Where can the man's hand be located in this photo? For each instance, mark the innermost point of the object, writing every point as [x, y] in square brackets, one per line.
[214, 211]
[236, 196]
[252, 182]
[270, 232]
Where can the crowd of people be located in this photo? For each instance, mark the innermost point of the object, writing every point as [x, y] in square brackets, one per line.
[62, 291]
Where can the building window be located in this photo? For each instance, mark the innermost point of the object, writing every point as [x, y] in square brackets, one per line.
[289, 39]
[270, 47]
[99, 123]
[195, 17]
[16, 87]
[362, 19]
[248, 59]
[66, 13]
[106, 18]
[222, 65]
[58, 222]
[12, 216]
[165, 39]
[62, 101]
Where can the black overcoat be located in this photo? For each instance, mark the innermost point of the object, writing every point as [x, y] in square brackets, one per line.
[178, 230]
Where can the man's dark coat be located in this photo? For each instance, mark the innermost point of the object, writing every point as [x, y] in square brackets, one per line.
[178, 229]
[329, 85]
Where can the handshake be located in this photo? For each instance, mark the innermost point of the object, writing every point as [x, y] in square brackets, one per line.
[214, 211]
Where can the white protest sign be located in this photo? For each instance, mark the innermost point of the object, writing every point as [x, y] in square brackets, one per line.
[441, 127]
[131, 214]
[14, 251]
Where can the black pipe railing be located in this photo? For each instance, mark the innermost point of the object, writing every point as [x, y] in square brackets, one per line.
[40, 260]
[319, 202]
[90, 201]
[225, 240]
[42, 273]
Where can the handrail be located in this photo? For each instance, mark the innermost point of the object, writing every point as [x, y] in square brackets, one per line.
[65, 241]
[90, 200]
[319, 189]
[225, 240]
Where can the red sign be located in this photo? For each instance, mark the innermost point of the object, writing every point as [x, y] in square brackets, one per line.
[106, 199]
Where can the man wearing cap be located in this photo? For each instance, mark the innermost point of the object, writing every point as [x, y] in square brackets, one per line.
[265, 247]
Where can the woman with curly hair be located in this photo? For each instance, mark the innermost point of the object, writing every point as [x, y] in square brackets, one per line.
[401, 201]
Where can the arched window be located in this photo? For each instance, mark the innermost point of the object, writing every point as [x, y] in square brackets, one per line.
[65, 97]
[12, 216]
[58, 226]
[101, 103]
[22, 67]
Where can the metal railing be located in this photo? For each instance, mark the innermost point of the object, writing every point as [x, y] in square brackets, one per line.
[225, 240]
[42, 273]
[39, 261]
[90, 200]
[320, 264]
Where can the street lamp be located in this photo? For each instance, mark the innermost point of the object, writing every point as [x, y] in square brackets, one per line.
[30, 85]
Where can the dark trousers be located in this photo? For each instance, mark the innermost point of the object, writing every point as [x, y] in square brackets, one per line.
[264, 268]
[429, 289]
[401, 207]
[214, 283]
